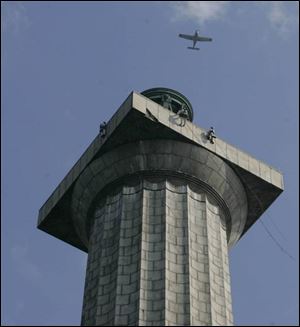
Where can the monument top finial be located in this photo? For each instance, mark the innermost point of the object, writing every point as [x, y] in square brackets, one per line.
[171, 100]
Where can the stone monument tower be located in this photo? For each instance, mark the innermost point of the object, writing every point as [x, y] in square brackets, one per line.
[157, 202]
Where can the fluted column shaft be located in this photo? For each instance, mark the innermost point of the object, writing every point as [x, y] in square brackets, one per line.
[157, 256]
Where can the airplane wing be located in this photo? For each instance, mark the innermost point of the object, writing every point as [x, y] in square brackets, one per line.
[186, 36]
[202, 38]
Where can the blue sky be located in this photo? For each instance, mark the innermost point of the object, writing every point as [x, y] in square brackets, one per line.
[67, 66]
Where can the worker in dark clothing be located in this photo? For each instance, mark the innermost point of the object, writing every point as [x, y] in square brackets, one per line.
[211, 135]
[183, 114]
[103, 129]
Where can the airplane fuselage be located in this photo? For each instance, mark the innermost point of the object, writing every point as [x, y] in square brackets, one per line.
[194, 38]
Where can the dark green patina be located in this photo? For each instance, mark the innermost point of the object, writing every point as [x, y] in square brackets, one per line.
[171, 100]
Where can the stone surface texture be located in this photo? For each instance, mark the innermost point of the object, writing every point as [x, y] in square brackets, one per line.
[157, 207]
[157, 218]
[158, 256]
[139, 118]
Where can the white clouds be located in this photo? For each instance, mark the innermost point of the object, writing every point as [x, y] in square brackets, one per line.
[200, 11]
[280, 19]
[278, 14]
[14, 17]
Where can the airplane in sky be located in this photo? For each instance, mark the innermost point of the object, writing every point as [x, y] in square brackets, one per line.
[196, 37]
